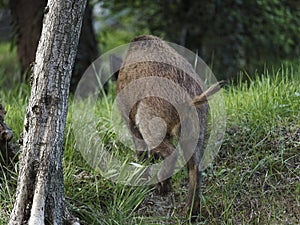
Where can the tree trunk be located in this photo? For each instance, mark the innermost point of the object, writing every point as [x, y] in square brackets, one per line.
[27, 18]
[87, 48]
[40, 192]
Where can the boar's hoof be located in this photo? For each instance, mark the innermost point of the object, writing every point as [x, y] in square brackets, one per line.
[164, 187]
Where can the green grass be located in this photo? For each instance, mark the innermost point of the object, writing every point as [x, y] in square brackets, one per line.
[253, 180]
[9, 68]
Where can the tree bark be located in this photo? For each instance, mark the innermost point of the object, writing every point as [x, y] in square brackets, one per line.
[40, 191]
[27, 19]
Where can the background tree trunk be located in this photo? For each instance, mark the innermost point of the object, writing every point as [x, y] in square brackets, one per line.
[87, 48]
[27, 17]
[40, 192]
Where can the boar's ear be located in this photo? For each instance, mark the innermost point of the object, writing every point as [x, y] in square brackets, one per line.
[200, 99]
[115, 65]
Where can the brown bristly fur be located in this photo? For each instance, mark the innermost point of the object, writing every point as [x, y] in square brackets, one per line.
[167, 64]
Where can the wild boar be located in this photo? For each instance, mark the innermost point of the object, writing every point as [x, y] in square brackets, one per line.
[157, 87]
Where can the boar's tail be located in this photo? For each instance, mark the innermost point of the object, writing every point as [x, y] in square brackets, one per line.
[200, 99]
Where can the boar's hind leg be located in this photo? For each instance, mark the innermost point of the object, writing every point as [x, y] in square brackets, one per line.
[169, 154]
[139, 143]
[193, 201]
[141, 151]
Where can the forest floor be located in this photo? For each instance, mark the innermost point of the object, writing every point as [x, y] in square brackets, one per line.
[254, 179]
